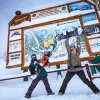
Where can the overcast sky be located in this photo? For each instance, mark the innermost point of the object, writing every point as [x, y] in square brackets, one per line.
[8, 8]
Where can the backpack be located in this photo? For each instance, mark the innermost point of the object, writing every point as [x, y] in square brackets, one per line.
[32, 71]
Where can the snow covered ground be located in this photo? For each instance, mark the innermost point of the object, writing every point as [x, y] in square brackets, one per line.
[16, 89]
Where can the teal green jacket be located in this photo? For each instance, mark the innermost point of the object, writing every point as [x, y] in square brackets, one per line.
[40, 69]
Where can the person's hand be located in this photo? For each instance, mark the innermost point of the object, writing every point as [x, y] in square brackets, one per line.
[79, 30]
[36, 73]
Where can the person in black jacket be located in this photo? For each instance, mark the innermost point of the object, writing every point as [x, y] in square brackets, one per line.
[36, 68]
[74, 66]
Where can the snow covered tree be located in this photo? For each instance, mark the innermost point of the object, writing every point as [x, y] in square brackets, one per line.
[97, 2]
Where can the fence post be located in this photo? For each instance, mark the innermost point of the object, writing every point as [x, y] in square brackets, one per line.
[25, 78]
[88, 72]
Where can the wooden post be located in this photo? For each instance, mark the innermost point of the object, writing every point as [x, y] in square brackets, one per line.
[7, 55]
[22, 52]
[88, 72]
[88, 45]
[25, 78]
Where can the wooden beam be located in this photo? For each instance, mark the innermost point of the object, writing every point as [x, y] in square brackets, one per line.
[98, 16]
[5, 79]
[94, 38]
[14, 52]
[88, 72]
[22, 47]
[95, 77]
[61, 62]
[16, 77]
[93, 65]
[95, 53]
[81, 21]
[53, 21]
[7, 59]
[14, 40]
[14, 66]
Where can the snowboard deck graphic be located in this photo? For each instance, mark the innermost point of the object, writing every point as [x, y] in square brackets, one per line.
[47, 54]
[67, 35]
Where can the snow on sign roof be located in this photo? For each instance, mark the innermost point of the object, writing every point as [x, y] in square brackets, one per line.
[54, 3]
[57, 2]
[91, 1]
[42, 7]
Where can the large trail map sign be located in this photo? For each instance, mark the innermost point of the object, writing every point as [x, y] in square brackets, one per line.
[39, 38]
[33, 32]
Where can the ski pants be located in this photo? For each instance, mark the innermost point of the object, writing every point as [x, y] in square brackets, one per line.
[35, 82]
[82, 76]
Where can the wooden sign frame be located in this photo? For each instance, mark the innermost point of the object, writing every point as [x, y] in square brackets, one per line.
[47, 23]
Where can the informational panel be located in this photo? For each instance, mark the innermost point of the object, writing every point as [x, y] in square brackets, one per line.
[15, 46]
[91, 30]
[49, 12]
[95, 45]
[14, 59]
[39, 38]
[14, 35]
[90, 19]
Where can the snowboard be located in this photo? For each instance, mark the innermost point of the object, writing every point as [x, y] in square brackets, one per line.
[47, 54]
[67, 35]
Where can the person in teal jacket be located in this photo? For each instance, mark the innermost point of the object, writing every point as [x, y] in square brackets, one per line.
[36, 68]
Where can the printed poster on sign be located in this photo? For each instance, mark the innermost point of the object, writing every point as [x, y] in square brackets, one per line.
[90, 19]
[48, 12]
[15, 46]
[14, 59]
[81, 6]
[39, 38]
[14, 35]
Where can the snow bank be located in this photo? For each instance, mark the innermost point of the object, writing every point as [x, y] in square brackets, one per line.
[16, 89]
[76, 90]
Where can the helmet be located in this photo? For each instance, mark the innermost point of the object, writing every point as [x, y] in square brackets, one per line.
[72, 46]
[33, 57]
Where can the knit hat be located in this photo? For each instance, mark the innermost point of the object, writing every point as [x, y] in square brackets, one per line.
[72, 46]
[33, 57]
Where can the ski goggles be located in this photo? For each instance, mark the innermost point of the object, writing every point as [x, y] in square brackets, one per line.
[72, 46]
[33, 56]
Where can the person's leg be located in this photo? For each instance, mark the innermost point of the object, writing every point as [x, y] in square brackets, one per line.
[32, 86]
[68, 77]
[59, 73]
[90, 84]
[47, 86]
